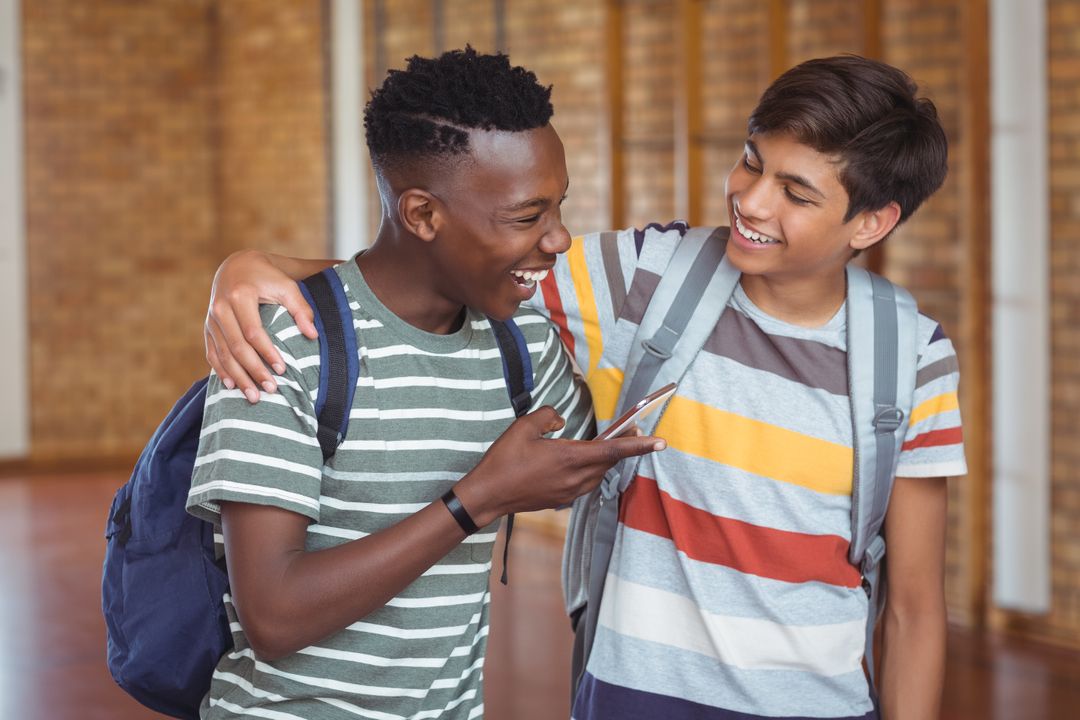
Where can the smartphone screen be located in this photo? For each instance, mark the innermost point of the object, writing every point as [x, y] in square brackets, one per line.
[644, 406]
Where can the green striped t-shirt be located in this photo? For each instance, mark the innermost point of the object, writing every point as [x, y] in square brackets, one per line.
[426, 409]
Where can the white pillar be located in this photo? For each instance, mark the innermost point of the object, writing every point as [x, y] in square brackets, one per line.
[14, 369]
[348, 150]
[1021, 296]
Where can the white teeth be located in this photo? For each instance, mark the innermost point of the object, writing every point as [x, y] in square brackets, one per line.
[753, 236]
[530, 277]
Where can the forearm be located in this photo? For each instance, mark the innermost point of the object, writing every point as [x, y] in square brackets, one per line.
[288, 601]
[288, 598]
[912, 672]
[299, 268]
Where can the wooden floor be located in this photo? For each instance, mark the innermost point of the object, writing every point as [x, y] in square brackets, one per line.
[52, 646]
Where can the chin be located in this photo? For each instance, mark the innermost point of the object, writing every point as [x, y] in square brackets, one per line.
[501, 312]
[749, 264]
[493, 305]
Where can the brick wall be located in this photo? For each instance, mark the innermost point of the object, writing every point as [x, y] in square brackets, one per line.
[121, 215]
[140, 177]
[271, 114]
[923, 255]
[562, 43]
[734, 74]
[648, 113]
[818, 28]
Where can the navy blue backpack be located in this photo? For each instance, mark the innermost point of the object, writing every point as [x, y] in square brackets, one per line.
[162, 586]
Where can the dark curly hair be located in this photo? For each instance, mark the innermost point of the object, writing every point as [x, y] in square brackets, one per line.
[426, 110]
[889, 142]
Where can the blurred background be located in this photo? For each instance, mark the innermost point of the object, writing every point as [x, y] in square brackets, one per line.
[142, 142]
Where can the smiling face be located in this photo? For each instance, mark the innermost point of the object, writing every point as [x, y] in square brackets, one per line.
[498, 225]
[787, 206]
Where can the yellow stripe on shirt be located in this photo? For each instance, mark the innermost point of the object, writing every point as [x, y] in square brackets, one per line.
[579, 273]
[757, 447]
[936, 405]
[605, 385]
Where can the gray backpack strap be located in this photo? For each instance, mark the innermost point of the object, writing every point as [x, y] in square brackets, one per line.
[882, 322]
[692, 294]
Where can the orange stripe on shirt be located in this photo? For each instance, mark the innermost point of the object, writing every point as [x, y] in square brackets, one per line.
[757, 447]
[936, 438]
[583, 289]
[550, 289]
[765, 552]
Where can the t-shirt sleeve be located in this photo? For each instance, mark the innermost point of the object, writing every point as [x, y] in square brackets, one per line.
[585, 292]
[267, 453]
[596, 294]
[559, 385]
[934, 445]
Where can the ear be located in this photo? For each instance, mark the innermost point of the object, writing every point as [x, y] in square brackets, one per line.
[875, 225]
[419, 213]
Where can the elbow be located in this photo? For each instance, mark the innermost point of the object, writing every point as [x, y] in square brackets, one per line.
[266, 629]
[916, 609]
[266, 646]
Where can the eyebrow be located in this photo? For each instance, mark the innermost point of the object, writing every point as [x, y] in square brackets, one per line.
[790, 177]
[538, 203]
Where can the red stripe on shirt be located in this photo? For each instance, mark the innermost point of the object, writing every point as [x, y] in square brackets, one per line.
[936, 438]
[552, 300]
[751, 549]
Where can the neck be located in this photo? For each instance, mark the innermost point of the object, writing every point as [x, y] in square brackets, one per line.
[806, 302]
[405, 283]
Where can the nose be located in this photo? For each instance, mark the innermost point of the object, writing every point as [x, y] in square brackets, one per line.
[752, 202]
[556, 240]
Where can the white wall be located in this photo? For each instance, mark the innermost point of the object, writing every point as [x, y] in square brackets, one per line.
[1021, 297]
[348, 151]
[14, 410]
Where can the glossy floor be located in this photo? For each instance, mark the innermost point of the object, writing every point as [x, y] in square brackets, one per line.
[52, 636]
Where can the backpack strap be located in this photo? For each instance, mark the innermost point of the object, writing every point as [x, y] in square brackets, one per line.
[517, 369]
[692, 294]
[339, 363]
[882, 355]
[517, 365]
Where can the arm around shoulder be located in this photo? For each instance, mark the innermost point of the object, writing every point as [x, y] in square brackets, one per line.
[237, 347]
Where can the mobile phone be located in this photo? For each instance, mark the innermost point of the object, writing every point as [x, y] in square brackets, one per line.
[641, 408]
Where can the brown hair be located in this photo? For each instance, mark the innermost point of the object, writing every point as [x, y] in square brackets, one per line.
[889, 143]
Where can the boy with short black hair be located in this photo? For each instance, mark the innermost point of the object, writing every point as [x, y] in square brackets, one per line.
[730, 593]
[360, 588]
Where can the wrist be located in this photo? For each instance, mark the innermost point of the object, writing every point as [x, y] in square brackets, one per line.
[472, 501]
[460, 514]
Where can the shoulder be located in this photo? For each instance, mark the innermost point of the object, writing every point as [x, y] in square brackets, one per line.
[540, 334]
[646, 246]
[534, 325]
[300, 353]
[655, 243]
[933, 343]
[544, 342]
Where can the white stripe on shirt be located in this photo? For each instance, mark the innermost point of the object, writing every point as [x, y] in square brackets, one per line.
[666, 618]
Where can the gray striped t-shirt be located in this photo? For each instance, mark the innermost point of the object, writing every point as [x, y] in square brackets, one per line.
[426, 409]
